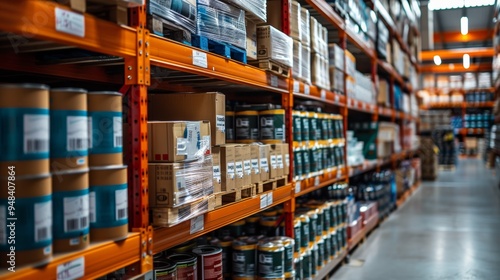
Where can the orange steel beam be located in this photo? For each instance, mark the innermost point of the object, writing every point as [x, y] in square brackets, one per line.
[457, 37]
[457, 53]
[457, 68]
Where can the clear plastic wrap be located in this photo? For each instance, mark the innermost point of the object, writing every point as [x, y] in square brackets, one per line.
[221, 22]
[306, 64]
[297, 59]
[275, 45]
[256, 9]
[305, 26]
[336, 56]
[336, 80]
[165, 217]
[175, 184]
[295, 21]
[181, 13]
[350, 63]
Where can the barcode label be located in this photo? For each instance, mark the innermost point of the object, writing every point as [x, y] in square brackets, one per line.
[3, 225]
[78, 137]
[230, 169]
[76, 212]
[92, 216]
[117, 132]
[287, 160]
[239, 169]
[255, 166]
[121, 204]
[274, 164]
[264, 165]
[217, 173]
[247, 167]
[43, 221]
[36, 134]
[279, 160]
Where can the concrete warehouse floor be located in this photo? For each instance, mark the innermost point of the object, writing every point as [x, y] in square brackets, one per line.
[449, 229]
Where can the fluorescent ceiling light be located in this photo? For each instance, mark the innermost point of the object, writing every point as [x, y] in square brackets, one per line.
[437, 60]
[456, 4]
[464, 25]
[466, 61]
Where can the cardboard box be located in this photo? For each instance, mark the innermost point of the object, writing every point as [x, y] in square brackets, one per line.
[274, 45]
[275, 12]
[247, 165]
[209, 106]
[286, 158]
[217, 179]
[254, 161]
[336, 56]
[350, 62]
[176, 184]
[228, 174]
[275, 161]
[172, 216]
[263, 154]
[174, 141]
[238, 165]
[251, 28]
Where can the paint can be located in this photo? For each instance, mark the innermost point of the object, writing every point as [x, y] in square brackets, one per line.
[69, 142]
[297, 236]
[235, 229]
[297, 126]
[314, 130]
[298, 267]
[306, 162]
[227, 253]
[105, 127]
[334, 243]
[108, 203]
[271, 259]
[70, 198]
[331, 126]
[272, 126]
[314, 259]
[305, 126]
[326, 217]
[209, 262]
[230, 131]
[246, 126]
[306, 265]
[321, 254]
[24, 115]
[164, 270]
[268, 225]
[289, 246]
[328, 248]
[297, 160]
[304, 232]
[187, 265]
[33, 225]
[252, 225]
[313, 216]
[185, 247]
[244, 257]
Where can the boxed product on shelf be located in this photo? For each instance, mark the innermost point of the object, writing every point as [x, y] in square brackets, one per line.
[470, 81]
[367, 133]
[217, 173]
[406, 103]
[336, 56]
[180, 14]
[295, 23]
[306, 64]
[383, 98]
[319, 69]
[174, 141]
[316, 35]
[336, 80]
[388, 141]
[227, 165]
[305, 25]
[365, 90]
[209, 106]
[274, 45]
[175, 184]
[350, 62]
[368, 210]
[382, 39]
[242, 157]
[275, 160]
[222, 22]
[406, 67]
[350, 85]
[165, 217]
[297, 59]
[255, 9]
[251, 33]
[262, 153]
[277, 11]
[398, 98]
[397, 58]
[484, 80]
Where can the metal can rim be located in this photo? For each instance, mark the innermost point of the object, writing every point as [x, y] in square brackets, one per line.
[104, 93]
[25, 85]
[69, 89]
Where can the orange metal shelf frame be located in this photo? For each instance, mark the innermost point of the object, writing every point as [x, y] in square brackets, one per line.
[164, 238]
[304, 90]
[99, 259]
[36, 19]
[308, 185]
[327, 11]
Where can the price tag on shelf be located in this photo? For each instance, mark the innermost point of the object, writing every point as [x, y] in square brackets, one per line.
[355, 103]
[200, 59]
[297, 186]
[339, 173]
[307, 89]
[70, 22]
[274, 81]
[316, 181]
[197, 224]
[270, 199]
[73, 269]
[296, 86]
[263, 201]
[323, 94]
[336, 99]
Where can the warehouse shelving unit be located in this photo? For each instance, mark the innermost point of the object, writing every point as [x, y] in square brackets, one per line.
[33, 26]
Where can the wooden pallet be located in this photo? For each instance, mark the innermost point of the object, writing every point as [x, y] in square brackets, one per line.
[236, 195]
[164, 28]
[112, 10]
[220, 48]
[272, 184]
[272, 66]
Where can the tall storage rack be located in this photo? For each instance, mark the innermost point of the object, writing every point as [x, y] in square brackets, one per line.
[34, 25]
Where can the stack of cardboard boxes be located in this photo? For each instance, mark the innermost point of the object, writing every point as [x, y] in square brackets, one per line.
[429, 158]
[336, 67]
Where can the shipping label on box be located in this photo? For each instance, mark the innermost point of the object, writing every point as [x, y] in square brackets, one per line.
[227, 163]
[174, 141]
[217, 172]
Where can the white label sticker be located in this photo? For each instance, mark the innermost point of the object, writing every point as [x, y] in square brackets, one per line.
[316, 180]
[71, 270]
[298, 187]
[255, 166]
[197, 224]
[264, 165]
[36, 134]
[3, 225]
[247, 167]
[43, 221]
[239, 169]
[263, 201]
[193, 139]
[287, 160]
[121, 204]
[92, 210]
[279, 162]
[76, 213]
[77, 138]
[117, 132]
[274, 81]
[221, 123]
[70, 22]
[296, 86]
[323, 94]
[269, 199]
[336, 99]
[307, 89]
[230, 170]
[200, 59]
[274, 163]
[217, 173]
[90, 133]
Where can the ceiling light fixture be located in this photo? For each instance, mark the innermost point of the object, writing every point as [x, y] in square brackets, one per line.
[457, 4]
[466, 61]
[464, 25]
[437, 60]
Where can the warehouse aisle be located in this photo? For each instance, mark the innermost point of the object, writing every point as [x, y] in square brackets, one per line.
[449, 229]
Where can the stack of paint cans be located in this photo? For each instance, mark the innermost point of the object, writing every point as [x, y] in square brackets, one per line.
[69, 140]
[108, 175]
[26, 196]
[317, 143]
